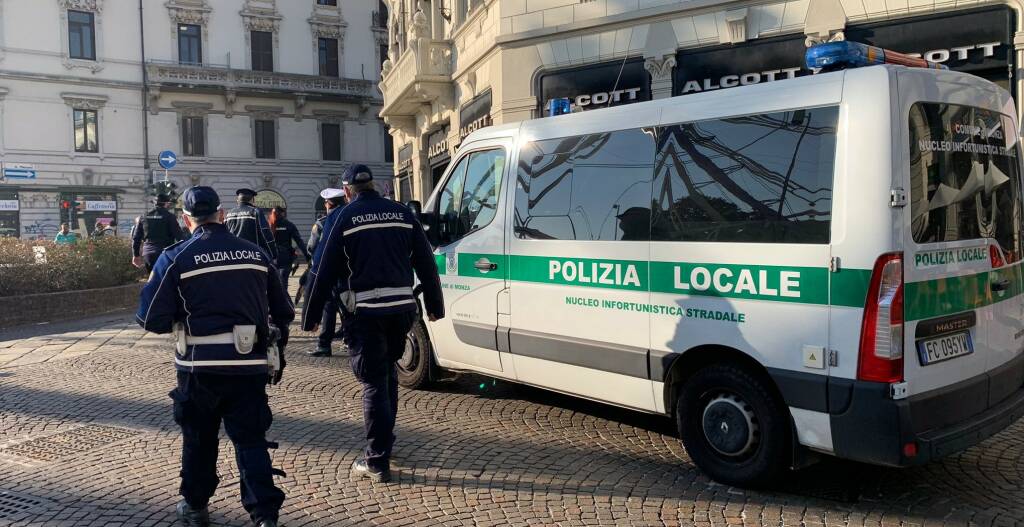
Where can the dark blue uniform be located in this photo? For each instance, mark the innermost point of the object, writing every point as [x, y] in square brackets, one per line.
[249, 223]
[371, 249]
[285, 233]
[329, 319]
[153, 232]
[210, 284]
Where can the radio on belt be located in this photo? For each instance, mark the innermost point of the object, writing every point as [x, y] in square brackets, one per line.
[832, 56]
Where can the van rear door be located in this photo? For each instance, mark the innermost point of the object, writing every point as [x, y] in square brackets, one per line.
[962, 250]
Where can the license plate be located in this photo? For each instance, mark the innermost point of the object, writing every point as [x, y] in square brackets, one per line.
[944, 348]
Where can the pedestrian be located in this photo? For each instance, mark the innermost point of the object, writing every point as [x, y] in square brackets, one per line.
[65, 236]
[334, 200]
[248, 222]
[285, 232]
[98, 230]
[371, 248]
[153, 232]
[216, 293]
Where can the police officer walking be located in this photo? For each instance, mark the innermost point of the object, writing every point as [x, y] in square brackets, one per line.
[371, 249]
[334, 200]
[216, 293]
[248, 222]
[285, 232]
[153, 232]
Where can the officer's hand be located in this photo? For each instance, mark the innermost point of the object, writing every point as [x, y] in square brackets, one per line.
[137, 261]
[316, 328]
[434, 318]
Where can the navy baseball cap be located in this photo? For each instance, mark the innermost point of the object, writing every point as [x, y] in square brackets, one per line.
[200, 201]
[357, 174]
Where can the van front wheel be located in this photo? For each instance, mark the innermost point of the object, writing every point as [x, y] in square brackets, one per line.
[733, 426]
[415, 363]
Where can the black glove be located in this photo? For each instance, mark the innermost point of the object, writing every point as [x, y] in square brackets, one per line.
[280, 371]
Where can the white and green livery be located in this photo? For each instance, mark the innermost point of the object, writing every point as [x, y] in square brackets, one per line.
[821, 265]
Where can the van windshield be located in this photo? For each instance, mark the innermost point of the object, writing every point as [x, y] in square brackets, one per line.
[964, 176]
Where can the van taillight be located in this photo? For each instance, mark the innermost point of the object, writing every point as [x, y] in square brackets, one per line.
[996, 256]
[881, 335]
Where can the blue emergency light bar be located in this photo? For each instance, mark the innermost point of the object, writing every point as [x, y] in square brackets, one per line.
[846, 54]
[559, 106]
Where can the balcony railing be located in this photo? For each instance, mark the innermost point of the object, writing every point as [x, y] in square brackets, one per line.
[430, 62]
[222, 77]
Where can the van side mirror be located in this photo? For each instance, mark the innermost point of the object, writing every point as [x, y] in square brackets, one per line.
[428, 220]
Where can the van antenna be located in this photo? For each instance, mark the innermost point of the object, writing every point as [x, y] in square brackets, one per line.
[622, 66]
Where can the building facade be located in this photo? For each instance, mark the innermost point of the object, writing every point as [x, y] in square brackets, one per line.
[457, 65]
[274, 95]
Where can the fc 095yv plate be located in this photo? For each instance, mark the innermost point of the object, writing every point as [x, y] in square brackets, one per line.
[944, 348]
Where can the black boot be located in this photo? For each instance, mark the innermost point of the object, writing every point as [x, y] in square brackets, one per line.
[192, 517]
[321, 351]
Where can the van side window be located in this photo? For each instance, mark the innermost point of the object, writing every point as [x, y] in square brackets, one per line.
[469, 200]
[586, 187]
[964, 176]
[763, 178]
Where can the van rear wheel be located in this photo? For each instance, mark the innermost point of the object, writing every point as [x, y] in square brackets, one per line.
[733, 426]
[416, 361]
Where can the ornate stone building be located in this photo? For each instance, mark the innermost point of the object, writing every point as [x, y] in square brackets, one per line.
[456, 65]
[276, 95]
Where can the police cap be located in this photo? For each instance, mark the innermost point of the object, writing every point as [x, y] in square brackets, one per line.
[200, 201]
[163, 198]
[356, 174]
[332, 193]
[247, 192]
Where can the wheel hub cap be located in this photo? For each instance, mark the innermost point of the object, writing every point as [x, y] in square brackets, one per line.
[730, 426]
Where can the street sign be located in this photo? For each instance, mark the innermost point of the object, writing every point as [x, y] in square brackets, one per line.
[19, 171]
[168, 159]
[104, 206]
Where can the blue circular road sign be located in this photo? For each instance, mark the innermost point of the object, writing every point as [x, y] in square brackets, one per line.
[167, 159]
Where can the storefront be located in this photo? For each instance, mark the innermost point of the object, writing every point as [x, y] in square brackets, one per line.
[438, 156]
[83, 212]
[596, 86]
[978, 41]
[10, 207]
[266, 200]
[404, 177]
[474, 115]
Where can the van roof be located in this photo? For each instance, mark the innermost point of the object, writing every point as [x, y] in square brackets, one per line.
[811, 90]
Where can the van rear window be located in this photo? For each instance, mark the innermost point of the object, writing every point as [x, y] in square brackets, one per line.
[964, 176]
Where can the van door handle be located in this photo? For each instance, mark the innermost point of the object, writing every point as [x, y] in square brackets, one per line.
[1001, 285]
[484, 264]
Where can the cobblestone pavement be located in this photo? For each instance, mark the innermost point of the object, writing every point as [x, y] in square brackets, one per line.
[87, 438]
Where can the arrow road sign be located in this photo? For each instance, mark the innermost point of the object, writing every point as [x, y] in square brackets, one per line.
[167, 159]
[18, 171]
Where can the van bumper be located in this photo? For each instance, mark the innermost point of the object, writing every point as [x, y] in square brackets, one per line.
[869, 426]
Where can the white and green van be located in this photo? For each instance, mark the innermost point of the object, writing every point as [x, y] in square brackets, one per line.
[829, 264]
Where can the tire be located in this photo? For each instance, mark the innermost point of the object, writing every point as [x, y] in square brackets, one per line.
[734, 427]
[416, 364]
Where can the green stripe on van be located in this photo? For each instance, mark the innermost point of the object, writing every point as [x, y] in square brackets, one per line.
[806, 285]
[947, 296]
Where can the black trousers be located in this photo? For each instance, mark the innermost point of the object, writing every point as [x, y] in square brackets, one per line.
[375, 342]
[328, 324]
[201, 402]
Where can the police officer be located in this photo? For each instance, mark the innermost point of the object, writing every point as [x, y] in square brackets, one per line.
[153, 232]
[248, 222]
[334, 200]
[216, 292]
[372, 247]
[285, 232]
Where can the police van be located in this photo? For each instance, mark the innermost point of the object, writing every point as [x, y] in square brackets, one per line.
[828, 264]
